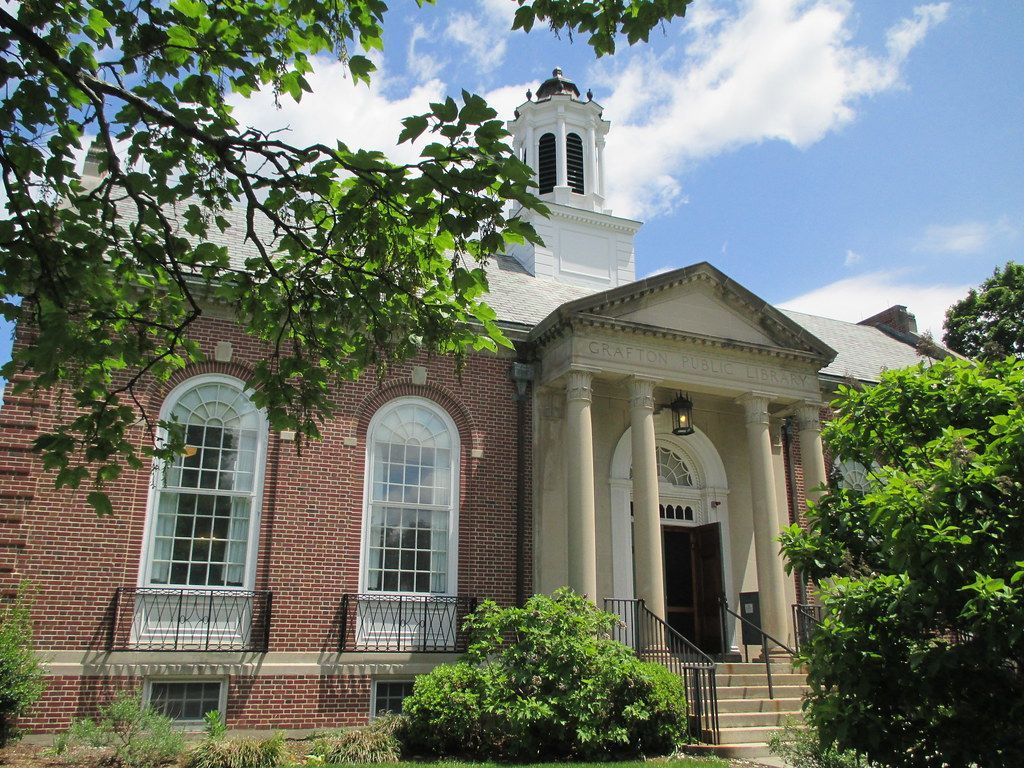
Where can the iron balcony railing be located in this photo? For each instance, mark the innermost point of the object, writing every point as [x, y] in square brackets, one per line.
[193, 619]
[404, 623]
[654, 640]
[807, 617]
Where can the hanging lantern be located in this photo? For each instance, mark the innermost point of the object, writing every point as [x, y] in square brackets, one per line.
[682, 415]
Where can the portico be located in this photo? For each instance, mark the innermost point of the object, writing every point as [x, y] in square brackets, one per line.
[625, 508]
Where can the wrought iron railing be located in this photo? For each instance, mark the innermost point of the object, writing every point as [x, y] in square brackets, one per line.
[409, 623]
[654, 640]
[766, 641]
[807, 617]
[159, 619]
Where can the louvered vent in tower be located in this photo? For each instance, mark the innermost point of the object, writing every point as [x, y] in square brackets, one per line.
[546, 163]
[574, 162]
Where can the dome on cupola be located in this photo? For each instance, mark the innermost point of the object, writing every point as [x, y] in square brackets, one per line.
[557, 85]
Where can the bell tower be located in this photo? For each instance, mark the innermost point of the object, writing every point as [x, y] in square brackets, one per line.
[561, 136]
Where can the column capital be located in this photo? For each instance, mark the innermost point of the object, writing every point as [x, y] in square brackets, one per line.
[579, 384]
[808, 416]
[755, 407]
[641, 392]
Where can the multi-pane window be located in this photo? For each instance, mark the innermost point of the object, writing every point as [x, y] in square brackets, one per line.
[672, 469]
[853, 476]
[388, 696]
[187, 701]
[413, 456]
[207, 496]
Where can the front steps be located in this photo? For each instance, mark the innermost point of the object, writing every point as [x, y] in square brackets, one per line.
[747, 717]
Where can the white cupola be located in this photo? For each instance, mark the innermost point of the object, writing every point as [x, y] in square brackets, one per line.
[561, 137]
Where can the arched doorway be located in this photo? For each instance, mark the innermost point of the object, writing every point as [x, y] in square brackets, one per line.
[693, 502]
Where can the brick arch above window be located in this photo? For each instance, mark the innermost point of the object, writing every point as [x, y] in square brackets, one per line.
[373, 402]
[157, 394]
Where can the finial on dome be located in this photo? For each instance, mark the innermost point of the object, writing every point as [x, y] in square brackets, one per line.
[590, 95]
[556, 72]
[529, 95]
[557, 85]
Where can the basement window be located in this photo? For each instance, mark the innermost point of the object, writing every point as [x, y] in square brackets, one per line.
[186, 701]
[388, 696]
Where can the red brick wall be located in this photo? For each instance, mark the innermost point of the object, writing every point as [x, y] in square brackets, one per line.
[312, 508]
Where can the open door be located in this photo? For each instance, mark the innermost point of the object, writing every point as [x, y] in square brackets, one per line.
[708, 556]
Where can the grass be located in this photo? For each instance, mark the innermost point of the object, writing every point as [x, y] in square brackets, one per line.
[674, 762]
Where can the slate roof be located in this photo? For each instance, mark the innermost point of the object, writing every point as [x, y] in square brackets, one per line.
[863, 351]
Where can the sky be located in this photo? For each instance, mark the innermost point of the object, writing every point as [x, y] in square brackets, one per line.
[833, 156]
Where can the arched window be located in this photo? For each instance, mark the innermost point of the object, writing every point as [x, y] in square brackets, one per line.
[853, 476]
[546, 163]
[672, 469]
[206, 502]
[574, 162]
[413, 458]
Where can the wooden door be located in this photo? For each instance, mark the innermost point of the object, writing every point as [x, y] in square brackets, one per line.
[707, 546]
[680, 605]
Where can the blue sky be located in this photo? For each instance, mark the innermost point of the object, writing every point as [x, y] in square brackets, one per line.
[833, 156]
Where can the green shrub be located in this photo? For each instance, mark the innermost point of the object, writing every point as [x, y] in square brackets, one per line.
[801, 747]
[133, 735]
[218, 752]
[21, 674]
[545, 681]
[374, 743]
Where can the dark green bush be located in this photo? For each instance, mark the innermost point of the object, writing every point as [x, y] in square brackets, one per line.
[374, 743]
[545, 681]
[801, 747]
[129, 734]
[215, 751]
[21, 674]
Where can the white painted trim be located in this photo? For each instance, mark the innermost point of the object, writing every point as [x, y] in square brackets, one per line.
[453, 520]
[259, 473]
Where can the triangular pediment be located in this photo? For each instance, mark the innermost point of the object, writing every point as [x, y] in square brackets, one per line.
[698, 301]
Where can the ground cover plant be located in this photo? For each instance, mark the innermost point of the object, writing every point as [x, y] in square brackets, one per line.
[545, 681]
[124, 733]
[373, 744]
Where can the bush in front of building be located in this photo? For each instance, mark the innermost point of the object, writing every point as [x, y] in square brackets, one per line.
[125, 733]
[21, 673]
[375, 743]
[545, 681]
[213, 752]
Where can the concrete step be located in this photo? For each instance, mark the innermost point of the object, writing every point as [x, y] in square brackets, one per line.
[754, 734]
[775, 719]
[760, 691]
[754, 668]
[728, 751]
[783, 679]
[727, 706]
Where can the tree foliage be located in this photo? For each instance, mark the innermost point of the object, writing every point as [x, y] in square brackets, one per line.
[545, 681]
[920, 661]
[989, 321]
[339, 259]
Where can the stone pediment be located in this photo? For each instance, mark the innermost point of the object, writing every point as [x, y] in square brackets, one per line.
[697, 301]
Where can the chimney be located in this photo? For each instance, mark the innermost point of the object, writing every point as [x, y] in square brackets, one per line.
[895, 318]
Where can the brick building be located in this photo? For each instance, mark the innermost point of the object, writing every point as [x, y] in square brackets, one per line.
[646, 440]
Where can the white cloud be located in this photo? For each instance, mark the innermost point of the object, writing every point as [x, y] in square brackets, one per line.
[484, 32]
[338, 109]
[965, 237]
[772, 69]
[851, 258]
[855, 298]
[422, 66]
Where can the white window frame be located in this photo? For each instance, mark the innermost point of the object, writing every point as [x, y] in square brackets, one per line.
[451, 582]
[373, 690]
[161, 467]
[222, 699]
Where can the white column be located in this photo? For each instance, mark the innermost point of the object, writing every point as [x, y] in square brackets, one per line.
[562, 172]
[531, 150]
[650, 577]
[590, 182]
[770, 573]
[600, 166]
[812, 457]
[580, 484]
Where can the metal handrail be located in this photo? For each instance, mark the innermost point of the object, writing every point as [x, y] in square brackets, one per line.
[654, 640]
[387, 622]
[765, 638]
[806, 618]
